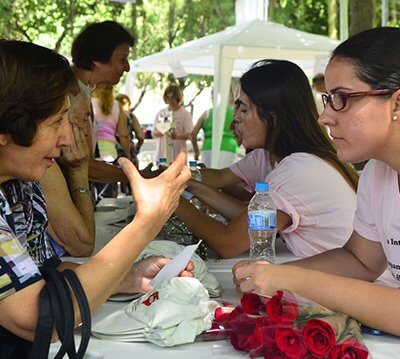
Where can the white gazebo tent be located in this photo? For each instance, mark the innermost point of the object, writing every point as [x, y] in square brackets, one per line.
[222, 54]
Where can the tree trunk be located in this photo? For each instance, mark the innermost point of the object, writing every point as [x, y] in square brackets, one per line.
[272, 4]
[361, 15]
[333, 19]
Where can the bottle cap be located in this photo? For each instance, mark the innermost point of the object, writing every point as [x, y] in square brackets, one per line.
[192, 163]
[262, 187]
[163, 160]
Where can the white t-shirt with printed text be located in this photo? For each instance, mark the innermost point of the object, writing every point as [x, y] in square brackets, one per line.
[378, 211]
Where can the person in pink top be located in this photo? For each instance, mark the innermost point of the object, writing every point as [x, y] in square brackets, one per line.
[111, 124]
[182, 132]
[313, 190]
[362, 111]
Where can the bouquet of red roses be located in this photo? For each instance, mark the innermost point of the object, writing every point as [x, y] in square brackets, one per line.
[289, 326]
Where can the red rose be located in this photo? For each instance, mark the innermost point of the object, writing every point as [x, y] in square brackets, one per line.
[350, 349]
[319, 336]
[281, 310]
[221, 316]
[289, 341]
[240, 329]
[250, 303]
[236, 312]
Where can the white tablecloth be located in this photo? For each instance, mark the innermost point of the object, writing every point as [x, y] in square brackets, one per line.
[381, 347]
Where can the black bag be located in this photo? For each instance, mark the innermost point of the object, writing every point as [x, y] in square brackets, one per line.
[55, 309]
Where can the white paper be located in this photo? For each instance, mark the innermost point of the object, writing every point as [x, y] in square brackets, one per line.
[177, 265]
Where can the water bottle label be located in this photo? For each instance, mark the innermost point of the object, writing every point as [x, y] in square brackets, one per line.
[261, 220]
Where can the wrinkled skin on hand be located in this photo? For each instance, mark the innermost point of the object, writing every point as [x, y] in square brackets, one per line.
[138, 278]
[157, 198]
[76, 155]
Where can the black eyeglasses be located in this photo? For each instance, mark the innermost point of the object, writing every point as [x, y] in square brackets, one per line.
[338, 100]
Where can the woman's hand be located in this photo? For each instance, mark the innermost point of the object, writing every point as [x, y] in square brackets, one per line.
[257, 276]
[156, 198]
[142, 272]
[76, 155]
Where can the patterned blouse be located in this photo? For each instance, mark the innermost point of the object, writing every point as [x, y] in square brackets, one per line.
[24, 245]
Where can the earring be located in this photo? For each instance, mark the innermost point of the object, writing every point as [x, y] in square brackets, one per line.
[395, 117]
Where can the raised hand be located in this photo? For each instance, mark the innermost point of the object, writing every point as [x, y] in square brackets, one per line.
[157, 198]
[76, 155]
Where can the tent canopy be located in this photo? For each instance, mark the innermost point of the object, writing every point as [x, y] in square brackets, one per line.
[228, 52]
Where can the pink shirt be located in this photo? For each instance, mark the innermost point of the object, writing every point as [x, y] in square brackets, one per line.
[106, 124]
[378, 211]
[252, 168]
[316, 196]
[183, 123]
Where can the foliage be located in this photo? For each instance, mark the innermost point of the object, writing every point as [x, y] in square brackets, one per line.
[305, 15]
[160, 24]
[53, 23]
[156, 24]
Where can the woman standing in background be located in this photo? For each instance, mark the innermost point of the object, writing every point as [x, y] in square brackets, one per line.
[181, 118]
[229, 147]
[111, 123]
[133, 127]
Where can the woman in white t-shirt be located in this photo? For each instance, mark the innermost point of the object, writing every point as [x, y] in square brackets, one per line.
[314, 191]
[182, 120]
[362, 110]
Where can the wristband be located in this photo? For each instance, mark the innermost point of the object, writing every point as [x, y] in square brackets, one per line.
[84, 190]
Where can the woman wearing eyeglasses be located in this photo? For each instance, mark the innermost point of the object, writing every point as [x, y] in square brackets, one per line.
[313, 190]
[362, 111]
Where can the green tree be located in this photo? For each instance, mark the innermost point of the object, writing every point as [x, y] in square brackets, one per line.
[305, 15]
[156, 24]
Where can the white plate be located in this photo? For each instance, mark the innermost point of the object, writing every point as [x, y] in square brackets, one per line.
[124, 297]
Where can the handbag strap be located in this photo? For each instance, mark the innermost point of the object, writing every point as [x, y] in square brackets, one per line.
[84, 310]
[44, 326]
[63, 311]
[56, 308]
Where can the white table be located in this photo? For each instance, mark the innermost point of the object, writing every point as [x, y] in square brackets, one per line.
[381, 347]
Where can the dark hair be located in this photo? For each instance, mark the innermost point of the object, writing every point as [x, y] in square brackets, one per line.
[318, 78]
[34, 83]
[283, 99]
[121, 98]
[97, 42]
[175, 91]
[374, 55]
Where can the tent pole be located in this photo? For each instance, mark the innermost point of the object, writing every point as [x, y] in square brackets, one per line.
[222, 79]
[344, 19]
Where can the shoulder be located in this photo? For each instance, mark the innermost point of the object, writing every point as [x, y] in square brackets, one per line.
[184, 112]
[307, 171]
[259, 154]
[301, 161]
[374, 174]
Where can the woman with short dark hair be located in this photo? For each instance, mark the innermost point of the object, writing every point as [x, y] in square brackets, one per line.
[35, 84]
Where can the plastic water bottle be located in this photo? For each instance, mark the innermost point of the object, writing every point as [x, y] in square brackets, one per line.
[196, 175]
[262, 224]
